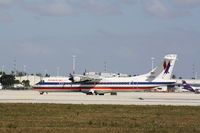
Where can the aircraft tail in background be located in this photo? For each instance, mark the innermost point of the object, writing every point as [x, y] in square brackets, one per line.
[186, 86]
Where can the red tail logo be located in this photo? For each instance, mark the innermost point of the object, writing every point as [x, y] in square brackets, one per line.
[164, 65]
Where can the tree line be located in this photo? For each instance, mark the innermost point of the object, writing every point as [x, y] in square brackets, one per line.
[8, 81]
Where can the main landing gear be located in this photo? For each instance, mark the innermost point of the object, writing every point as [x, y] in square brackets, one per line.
[41, 93]
[113, 93]
[90, 93]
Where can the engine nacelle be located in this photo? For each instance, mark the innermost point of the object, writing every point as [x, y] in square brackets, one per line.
[80, 78]
[77, 79]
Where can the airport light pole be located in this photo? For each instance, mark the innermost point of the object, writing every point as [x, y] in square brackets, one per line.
[24, 69]
[58, 71]
[194, 71]
[2, 69]
[105, 67]
[45, 72]
[152, 63]
[15, 67]
[74, 63]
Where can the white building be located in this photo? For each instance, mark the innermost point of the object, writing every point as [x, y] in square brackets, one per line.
[32, 78]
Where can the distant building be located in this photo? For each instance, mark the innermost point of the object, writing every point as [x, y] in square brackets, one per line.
[104, 74]
[32, 79]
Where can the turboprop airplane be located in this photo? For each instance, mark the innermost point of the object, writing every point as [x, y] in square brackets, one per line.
[186, 86]
[159, 76]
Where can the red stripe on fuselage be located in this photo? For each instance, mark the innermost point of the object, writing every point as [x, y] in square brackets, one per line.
[40, 88]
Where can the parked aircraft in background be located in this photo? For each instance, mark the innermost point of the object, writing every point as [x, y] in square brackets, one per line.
[186, 86]
[159, 76]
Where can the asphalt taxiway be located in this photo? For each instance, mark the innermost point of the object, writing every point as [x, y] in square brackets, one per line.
[131, 98]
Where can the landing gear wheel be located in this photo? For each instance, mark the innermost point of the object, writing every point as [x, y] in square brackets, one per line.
[113, 93]
[89, 93]
[41, 93]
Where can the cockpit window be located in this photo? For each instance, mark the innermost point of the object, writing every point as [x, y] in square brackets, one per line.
[41, 81]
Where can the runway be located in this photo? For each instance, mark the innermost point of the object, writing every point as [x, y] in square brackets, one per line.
[131, 98]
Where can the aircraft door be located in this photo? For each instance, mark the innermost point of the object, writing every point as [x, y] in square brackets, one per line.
[135, 84]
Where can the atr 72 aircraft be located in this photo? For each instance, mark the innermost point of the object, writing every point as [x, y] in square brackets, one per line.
[159, 76]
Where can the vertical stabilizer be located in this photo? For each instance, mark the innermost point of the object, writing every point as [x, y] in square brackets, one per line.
[165, 69]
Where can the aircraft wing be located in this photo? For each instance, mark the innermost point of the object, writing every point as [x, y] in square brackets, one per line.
[83, 78]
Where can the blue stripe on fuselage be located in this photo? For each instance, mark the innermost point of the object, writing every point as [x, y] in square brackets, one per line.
[104, 83]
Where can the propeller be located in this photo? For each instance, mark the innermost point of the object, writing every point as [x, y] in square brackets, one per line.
[71, 77]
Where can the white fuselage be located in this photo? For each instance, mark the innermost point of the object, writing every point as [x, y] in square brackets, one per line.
[106, 85]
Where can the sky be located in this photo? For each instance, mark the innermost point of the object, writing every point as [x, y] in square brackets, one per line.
[39, 36]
